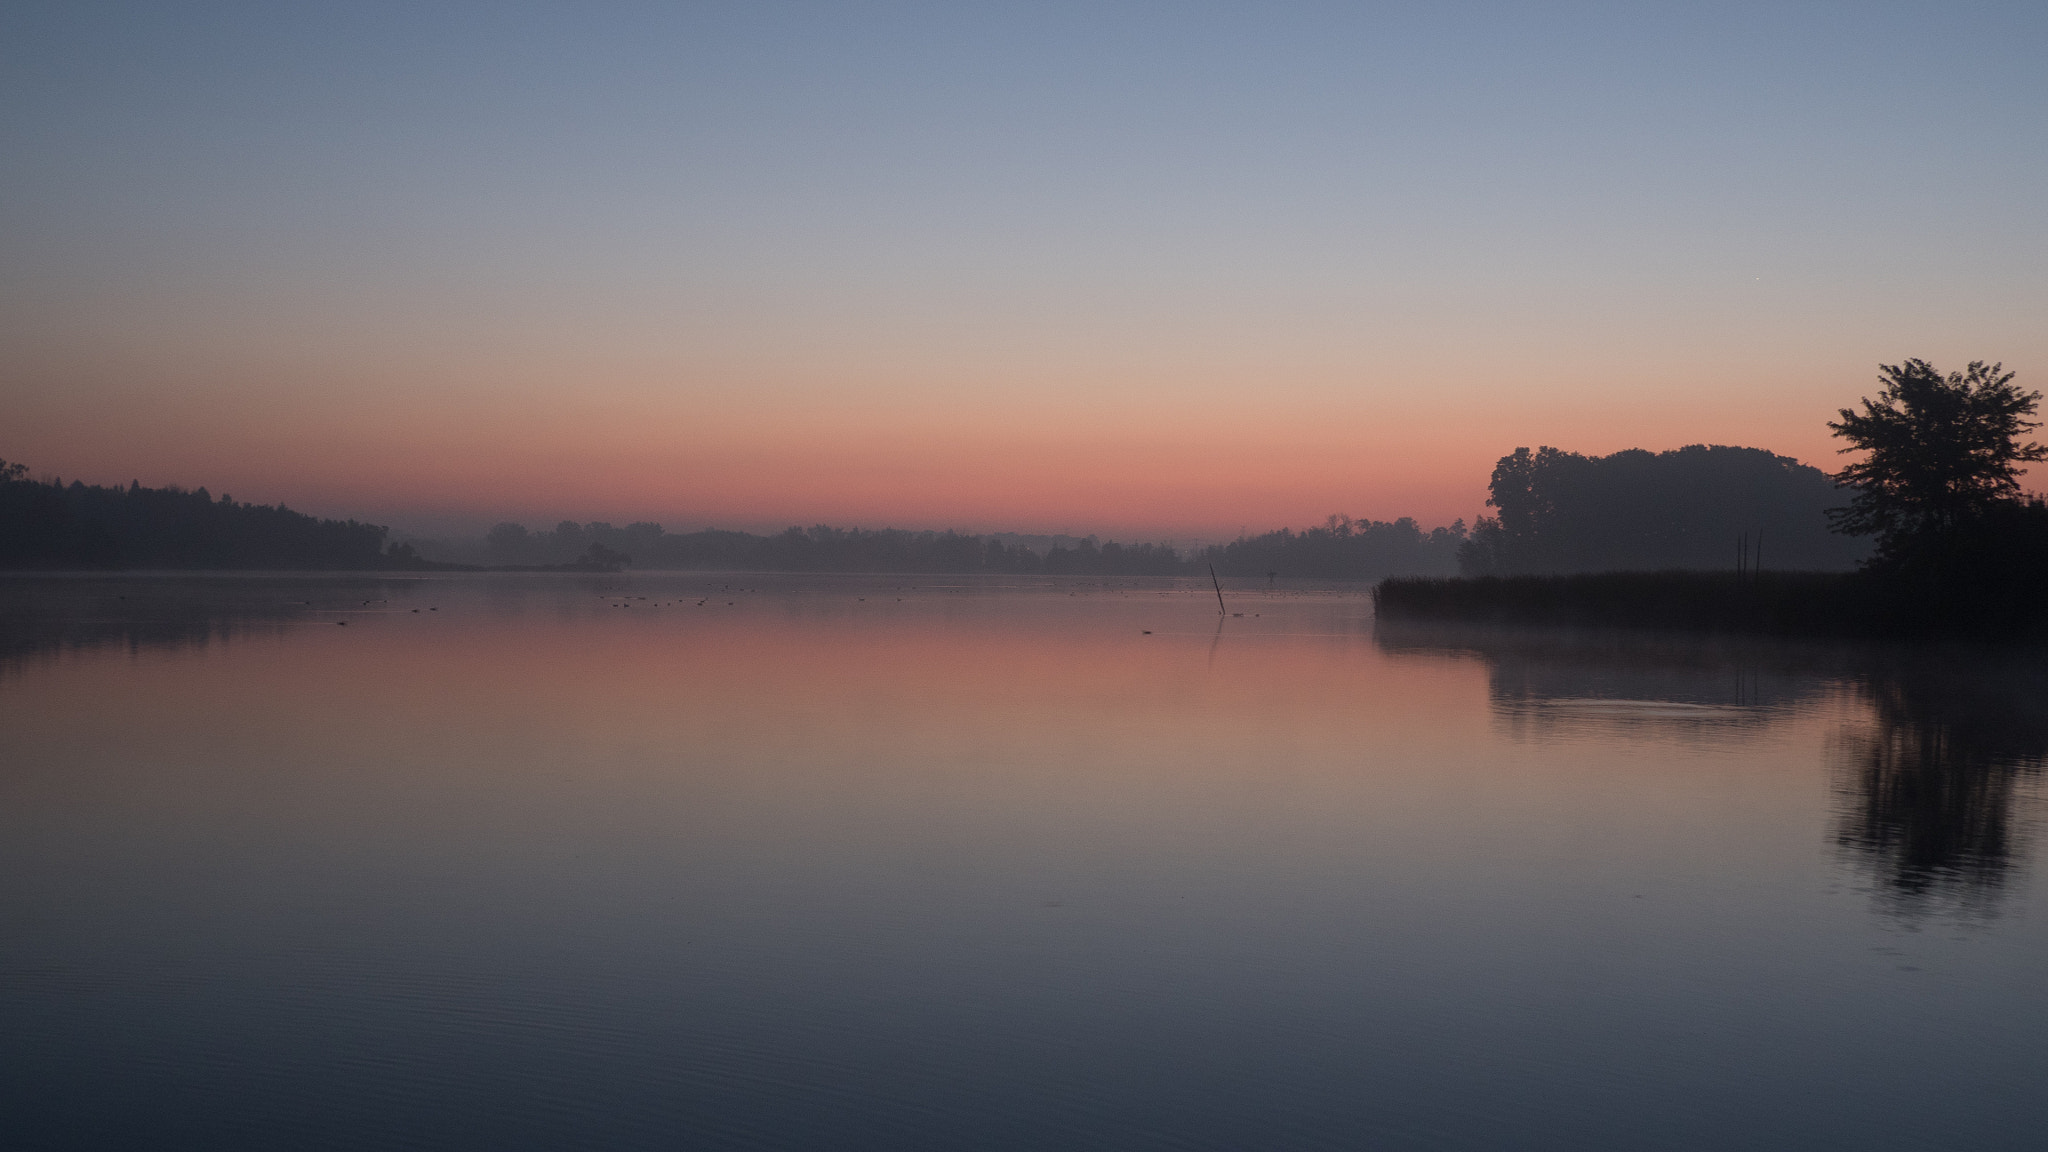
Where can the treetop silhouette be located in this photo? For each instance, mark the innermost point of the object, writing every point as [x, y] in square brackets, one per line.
[1942, 452]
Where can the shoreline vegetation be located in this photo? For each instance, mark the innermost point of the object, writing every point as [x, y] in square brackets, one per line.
[1848, 605]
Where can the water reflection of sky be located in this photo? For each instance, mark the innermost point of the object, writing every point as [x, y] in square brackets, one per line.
[876, 862]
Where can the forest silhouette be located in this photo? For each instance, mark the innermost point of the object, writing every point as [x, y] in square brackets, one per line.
[51, 525]
[1691, 508]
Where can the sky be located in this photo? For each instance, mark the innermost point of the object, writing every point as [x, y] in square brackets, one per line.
[1150, 271]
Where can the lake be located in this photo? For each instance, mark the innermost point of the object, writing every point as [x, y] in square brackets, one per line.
[717, 861]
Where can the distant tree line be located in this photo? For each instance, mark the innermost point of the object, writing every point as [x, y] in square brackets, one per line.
[49, 524]
[1342, 549]
[817, 549]
[822, 549]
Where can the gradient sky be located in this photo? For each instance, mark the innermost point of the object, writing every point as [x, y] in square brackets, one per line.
[1146, 270]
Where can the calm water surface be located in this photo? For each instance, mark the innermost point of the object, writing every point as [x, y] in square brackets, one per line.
[690, 861]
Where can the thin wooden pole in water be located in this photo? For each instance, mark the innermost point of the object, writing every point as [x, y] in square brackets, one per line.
[1220, 609]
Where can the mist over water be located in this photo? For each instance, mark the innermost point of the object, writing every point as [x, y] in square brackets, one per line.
[739, 861]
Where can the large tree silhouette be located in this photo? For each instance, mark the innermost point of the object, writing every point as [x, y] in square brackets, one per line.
[1635, 510]
[1941, 453]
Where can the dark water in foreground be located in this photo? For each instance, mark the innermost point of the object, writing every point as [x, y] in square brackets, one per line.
[926, 862]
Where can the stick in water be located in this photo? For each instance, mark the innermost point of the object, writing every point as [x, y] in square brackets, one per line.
[1220, 609]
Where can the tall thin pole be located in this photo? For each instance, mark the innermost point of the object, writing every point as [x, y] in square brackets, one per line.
[1220, 609]
[1756, 558]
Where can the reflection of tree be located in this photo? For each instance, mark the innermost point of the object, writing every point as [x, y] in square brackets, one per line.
[41, 616]
[1929, 784]
[1929, 788]
[1564, 680]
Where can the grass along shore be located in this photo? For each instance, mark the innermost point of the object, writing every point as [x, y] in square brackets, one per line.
[1777, 603]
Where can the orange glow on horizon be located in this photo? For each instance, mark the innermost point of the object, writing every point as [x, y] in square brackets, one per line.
[1205, 463]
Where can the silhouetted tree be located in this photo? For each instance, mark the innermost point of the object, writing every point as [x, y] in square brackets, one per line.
[1941, 453]
[508, 543]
